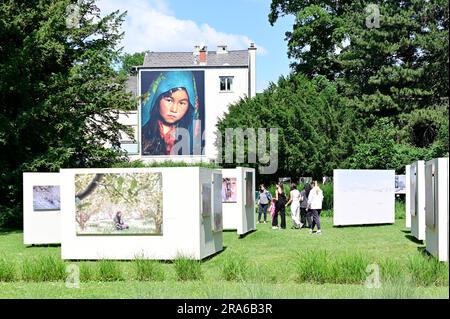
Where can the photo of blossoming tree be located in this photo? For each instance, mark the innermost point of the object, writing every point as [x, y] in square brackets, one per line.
[118, 204]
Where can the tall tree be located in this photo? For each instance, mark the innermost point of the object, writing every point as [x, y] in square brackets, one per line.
[130, 60]
[391, 58]
[316, 127]
[59, 94]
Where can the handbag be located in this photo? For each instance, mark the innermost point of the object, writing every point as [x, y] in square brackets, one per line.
[272, 210]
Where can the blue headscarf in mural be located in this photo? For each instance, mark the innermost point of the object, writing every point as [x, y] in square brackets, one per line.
[166, 81]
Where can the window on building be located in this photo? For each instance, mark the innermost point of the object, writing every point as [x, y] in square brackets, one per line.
[226, 83]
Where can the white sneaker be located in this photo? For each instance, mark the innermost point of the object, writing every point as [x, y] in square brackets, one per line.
[274, 227]
[319, 232]
[310, 231]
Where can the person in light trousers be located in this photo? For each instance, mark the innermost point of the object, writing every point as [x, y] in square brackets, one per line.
[315, 200]
[294, 201]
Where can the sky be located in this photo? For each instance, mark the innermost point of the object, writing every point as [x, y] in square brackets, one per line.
[179, 25]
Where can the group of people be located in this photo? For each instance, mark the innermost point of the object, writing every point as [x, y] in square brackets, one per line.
[305, 206]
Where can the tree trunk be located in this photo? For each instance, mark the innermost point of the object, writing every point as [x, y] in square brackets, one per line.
[90, 188]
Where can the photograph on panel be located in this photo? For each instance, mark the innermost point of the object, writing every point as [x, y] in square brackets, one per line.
[118, 204]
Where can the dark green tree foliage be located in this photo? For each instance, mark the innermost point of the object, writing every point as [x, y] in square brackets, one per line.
[397, 70]
[316, 129]
[59, 94]
[128, 61]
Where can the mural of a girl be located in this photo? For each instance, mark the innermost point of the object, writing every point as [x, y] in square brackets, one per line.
[172, 110]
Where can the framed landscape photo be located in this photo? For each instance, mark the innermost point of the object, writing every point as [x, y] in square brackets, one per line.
[118, 204]
[229, 189]
[46, 198]
[400, 184]
[305, 180]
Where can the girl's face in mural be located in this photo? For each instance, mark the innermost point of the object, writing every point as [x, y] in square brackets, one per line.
[172, 108]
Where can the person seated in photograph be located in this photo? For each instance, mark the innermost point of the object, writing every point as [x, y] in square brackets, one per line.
[172, 105]
[119, 222]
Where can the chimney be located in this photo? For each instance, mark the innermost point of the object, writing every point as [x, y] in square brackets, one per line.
[222, 49]
[203, 54]
[196, 54]
[252, 70]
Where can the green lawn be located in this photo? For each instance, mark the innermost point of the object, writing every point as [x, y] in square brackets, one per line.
[270, 256]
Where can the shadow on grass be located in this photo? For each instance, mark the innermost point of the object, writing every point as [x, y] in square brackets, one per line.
[423, 251]
[247, 234]
[43, 246]
[414, 239]
[362, 226]
[7, 231]
[214, 255]
[407, 231]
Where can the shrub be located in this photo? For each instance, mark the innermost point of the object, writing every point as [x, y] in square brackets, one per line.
[327, 196]
[400, 209]
[44, 268]
[188, 269]
[148, 270]
[7, 270]
[109, 270]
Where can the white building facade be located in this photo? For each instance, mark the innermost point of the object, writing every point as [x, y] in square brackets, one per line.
[222, 78]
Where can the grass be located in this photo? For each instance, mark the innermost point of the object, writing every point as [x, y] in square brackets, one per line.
[426, 270]
[235, 268]
[391, 270]
[43, 268]
[109, 270]
[272, 259]
[400, 209]
[7, 270]
[350, 268]
[187, 268]
[149, 270]
[87, 272]
[320, 266]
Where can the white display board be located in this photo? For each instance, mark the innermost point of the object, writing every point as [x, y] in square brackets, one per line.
[363, 197]
[41, 208]
[408, 197]
[160, 208]
[417, 199]
[436, 208]
[238, 209]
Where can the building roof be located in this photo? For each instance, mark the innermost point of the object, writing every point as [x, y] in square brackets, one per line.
[238, 58]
